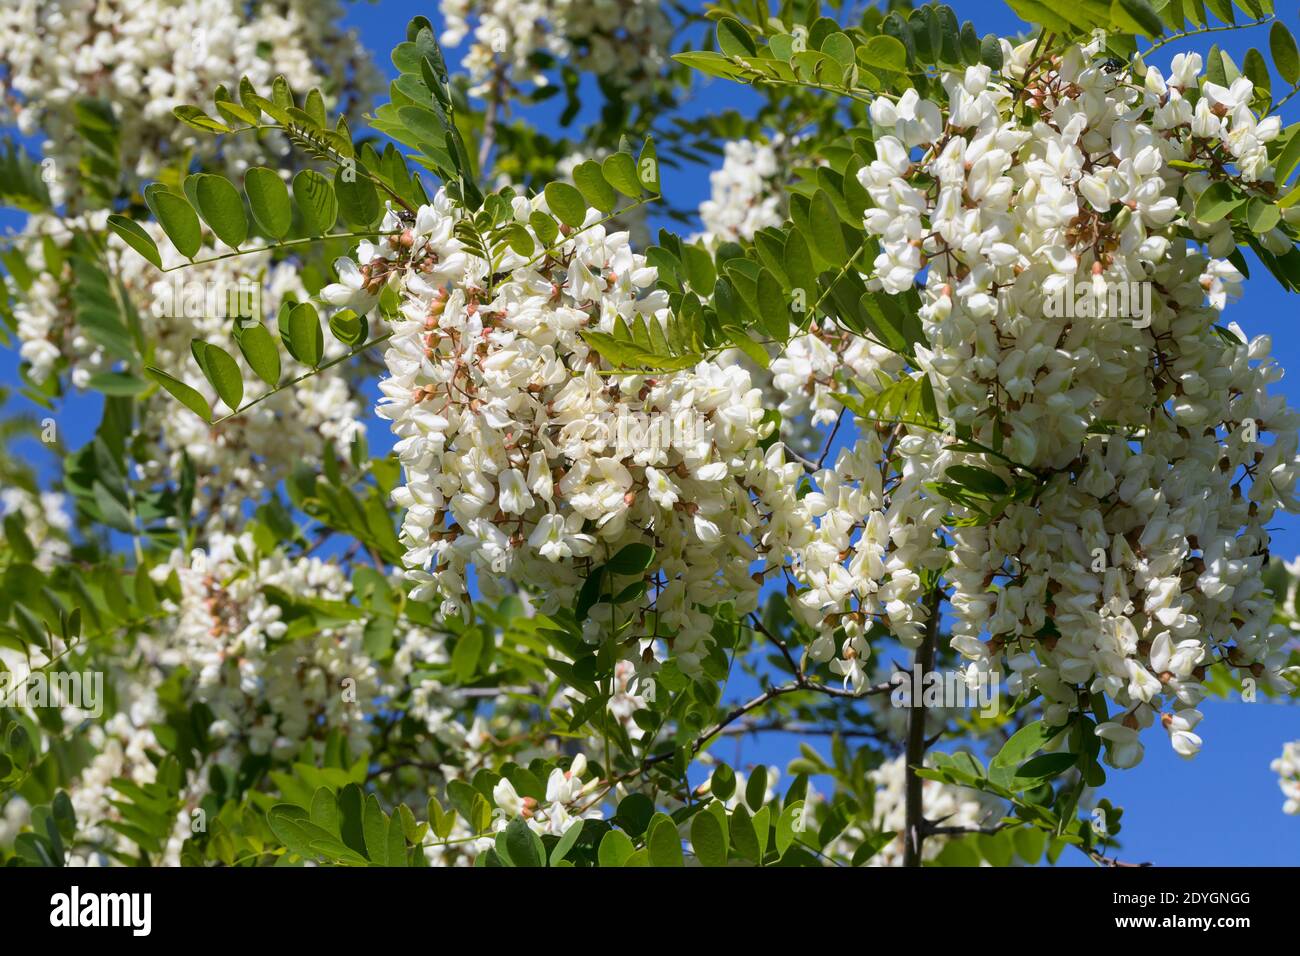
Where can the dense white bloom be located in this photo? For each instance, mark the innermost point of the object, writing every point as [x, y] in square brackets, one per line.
[1136, 564]
[146, 57]
[523, 460]
[745, 193]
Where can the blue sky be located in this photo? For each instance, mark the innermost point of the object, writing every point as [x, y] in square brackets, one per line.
[1222, 808]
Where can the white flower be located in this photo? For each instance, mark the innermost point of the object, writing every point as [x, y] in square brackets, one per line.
[1179, 726]
[1125, 749]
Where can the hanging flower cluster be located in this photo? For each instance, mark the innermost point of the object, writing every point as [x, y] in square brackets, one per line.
[1155, 453]
[526, 458]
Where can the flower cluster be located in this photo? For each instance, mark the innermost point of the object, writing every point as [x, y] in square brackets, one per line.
[1134, 562]
[744, 194]
[146, 57]
[623, 41]
[267, 689]
[524, 457]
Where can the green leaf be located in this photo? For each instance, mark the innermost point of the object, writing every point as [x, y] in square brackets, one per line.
[523, 847]
[631, 560]
[303, 336]
[1142, 15]
[374, 827]
[786, 824]
[743, 836]
[647, 166]
[756, 788]
[177, 218]
[1045, 766]
[259, 351]
[194, 117]
[315, 197]
[620, 172]
[544, 228]
[465, 657]
[268, 197]
[566, 203]
[1262, 215]
[665, 845]
[348, 327]
[1256, 70]
[709, 63]
[590, 181]
[1029, 843]
[1216, 202]
[699, 268]
[827, 236]
[134, 236]
[396, 849]
[995, 847]
[773, 310]
[615, 848]
[567, 843]
[977, 479]
[708, 840]
[357, 196]
[741, 340]
[991, 51]
[183, 393]
[221, 207]
[723, 783]
[734, 39]
[1287, 161]
[221, 371]
[18, 541]
[1285, 56]
[884, 52]
[1027, 740]
[635, 811]
[839, 48]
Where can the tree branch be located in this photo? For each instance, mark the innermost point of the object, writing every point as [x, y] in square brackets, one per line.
[914, 828]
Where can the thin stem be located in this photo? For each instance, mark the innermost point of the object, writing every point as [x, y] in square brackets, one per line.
[1174, 37]
[303, 377]
[279, 245]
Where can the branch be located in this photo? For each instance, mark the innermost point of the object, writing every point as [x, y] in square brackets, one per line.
[1097, 857]
[1173, 37]
[771, 694]
[303, 377]
[779, 726]
[914, 828]
[285, 244]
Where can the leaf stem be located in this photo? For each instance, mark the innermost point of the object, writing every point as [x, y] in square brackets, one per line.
[301, 378]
